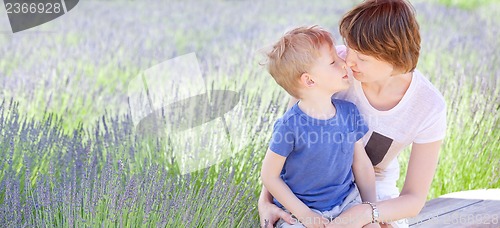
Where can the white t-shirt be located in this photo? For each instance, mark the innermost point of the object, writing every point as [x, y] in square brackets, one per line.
[420, 117]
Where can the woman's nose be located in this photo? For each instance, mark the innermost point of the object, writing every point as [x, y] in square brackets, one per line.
[348, 59]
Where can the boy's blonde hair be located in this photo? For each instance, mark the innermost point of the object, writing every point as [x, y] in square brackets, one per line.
[294, 54]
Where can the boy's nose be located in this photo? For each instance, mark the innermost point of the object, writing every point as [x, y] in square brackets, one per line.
[344, 66]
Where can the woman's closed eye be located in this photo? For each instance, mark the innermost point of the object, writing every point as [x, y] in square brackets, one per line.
[360, 57]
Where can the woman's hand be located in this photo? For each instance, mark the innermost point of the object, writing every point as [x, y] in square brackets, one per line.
[269, 214]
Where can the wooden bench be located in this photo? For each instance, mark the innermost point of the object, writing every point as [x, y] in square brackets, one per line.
[476, 208]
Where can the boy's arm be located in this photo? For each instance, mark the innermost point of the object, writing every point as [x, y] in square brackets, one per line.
[364, 173]
[364, 176]
[270, 174]
[268, 212]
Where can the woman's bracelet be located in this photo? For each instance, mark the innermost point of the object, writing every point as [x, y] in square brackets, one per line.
[375, 213]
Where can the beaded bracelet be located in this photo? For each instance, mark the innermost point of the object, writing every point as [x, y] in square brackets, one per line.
[375, 213]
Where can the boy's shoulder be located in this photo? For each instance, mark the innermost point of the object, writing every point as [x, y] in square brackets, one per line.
[343, 105]
[293, 116]
[289, 117]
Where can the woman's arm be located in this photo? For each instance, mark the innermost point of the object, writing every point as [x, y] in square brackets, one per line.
[421, 168]
[364, 174]
[270, 174]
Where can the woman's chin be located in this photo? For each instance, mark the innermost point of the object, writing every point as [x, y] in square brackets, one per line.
[358, 77]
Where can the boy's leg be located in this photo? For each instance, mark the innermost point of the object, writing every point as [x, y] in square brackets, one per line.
[282, 224]
[353, 198]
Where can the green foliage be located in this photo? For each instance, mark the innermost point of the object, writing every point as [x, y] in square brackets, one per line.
[466, 4]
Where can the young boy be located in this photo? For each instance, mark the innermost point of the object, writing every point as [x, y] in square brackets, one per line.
[315, 149]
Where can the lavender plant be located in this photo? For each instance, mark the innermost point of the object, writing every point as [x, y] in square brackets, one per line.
[52, 179]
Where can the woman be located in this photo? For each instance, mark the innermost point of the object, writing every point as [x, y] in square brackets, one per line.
[400, 106]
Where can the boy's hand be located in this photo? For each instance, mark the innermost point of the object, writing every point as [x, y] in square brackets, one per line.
[269, 214]
[372, 225]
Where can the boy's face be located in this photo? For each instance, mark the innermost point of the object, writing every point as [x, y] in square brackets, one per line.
[329, 71]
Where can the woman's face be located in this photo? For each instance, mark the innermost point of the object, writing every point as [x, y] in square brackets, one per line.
[366, 68]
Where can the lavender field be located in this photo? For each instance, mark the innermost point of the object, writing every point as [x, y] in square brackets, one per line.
[72, 156]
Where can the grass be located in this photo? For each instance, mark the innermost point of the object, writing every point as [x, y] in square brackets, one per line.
[471, 4]
[71, 155]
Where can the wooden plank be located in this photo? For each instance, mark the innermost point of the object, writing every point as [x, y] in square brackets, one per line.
[438, 207]
[483, 194]
[482, 214]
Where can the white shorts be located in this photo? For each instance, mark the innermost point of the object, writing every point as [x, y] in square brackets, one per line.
[385, 190]
[350, 200]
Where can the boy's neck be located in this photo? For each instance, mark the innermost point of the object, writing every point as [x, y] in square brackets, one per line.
[318, 107]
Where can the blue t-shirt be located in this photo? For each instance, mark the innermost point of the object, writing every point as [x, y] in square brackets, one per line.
[319, 153]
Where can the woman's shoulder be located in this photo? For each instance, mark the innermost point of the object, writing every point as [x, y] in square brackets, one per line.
[427, 93]
[430, 111]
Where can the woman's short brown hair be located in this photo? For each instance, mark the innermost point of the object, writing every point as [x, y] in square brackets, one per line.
[384, 29]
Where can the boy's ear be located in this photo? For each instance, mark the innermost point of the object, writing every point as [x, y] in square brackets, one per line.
[306, 80]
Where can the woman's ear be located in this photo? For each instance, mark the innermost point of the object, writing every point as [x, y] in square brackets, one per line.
[306, 80]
